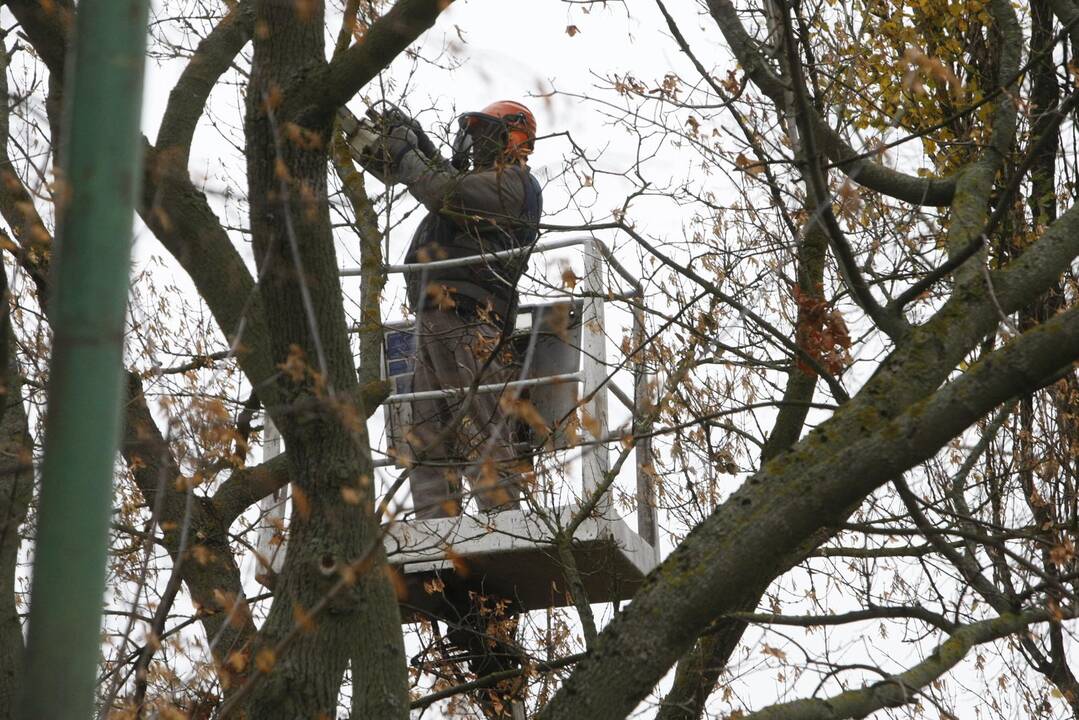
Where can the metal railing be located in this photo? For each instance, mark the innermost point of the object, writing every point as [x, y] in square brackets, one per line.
[593, 373]
[593, 376]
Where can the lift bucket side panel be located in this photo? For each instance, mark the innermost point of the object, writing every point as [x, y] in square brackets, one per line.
[399, 364]
[557, 352]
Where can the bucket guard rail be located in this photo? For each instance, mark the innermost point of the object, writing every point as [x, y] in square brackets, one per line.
[513, 551]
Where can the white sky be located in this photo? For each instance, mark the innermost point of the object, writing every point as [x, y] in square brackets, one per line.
[516, 49]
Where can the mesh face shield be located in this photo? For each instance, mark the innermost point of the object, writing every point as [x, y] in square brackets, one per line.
[462, 145]
[464, 142]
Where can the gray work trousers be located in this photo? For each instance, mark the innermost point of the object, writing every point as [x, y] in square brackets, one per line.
[451, 350]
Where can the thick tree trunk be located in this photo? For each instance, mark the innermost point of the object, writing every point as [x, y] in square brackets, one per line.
[331, 540]
[16, 487]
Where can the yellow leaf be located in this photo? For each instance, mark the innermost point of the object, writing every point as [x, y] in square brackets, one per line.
[295, 366]
[774, 652]
[300, 502]
[302, 617]
[237, 660]
[202, 554]
[750, 167]
[591, 424]
[350, 495]
[265, 660]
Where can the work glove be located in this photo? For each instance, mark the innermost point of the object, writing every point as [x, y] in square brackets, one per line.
[393, 118]
[395, 141]
[378, 142]
[384, 156]
[360, 135]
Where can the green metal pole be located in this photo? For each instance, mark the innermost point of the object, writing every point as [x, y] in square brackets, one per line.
[95, 199]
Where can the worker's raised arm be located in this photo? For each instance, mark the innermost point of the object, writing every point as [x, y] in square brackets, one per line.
[492, 194]
[381, 145]
[396, 154]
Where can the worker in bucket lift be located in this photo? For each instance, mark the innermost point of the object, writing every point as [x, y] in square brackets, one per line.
[481, 201]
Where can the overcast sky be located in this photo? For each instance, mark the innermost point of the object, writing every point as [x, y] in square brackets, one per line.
[520, 50]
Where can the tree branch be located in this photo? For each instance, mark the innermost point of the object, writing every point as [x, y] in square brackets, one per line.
[313, 102]
[903, 688]
[17, 206]
[916, 190]
[213, 56]
[894, 325]
[47, 26]
[214, 581]
[181, 218]
[1068, 14]
[493, 679]
[750, 538]
[246, 486]
[873, 613]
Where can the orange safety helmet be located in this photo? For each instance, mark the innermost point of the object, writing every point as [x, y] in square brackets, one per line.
[519, 122]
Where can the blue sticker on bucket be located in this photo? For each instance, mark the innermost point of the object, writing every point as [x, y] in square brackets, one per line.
[399, 367]
[400, 344]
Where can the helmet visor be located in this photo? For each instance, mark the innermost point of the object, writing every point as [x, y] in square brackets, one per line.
[510, 131]
[470, 120]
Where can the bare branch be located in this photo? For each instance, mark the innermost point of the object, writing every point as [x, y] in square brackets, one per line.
[904, 688]
[920, 191]
[213, 56]
[874, 613]
[314, 101]
[739, 549]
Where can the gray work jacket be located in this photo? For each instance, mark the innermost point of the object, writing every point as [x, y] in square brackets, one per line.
[470, 213]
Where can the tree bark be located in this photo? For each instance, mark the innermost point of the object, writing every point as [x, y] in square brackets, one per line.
[758, 532]
[16, 488]
[320, 421]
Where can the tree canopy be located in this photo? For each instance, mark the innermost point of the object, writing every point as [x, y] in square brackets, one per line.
[854, 231]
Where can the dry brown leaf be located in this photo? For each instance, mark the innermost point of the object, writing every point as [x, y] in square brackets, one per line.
[265, 660]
